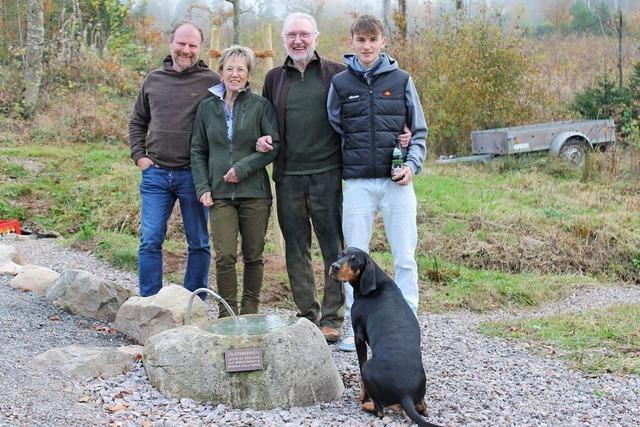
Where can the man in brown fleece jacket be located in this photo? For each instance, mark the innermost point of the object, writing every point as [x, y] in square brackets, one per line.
[159, 136]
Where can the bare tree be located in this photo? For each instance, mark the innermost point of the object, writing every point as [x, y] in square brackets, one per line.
[218, 17]
[386, 9]
[236, 20]
[33, 60]
[618, 29]
[400, 18]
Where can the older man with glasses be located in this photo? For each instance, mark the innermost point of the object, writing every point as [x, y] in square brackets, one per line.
[307, 170]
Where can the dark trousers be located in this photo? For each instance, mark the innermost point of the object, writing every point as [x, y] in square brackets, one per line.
[303, 201]
[249, 217]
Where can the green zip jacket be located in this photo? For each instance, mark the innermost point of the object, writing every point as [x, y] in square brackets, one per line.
[212, 154]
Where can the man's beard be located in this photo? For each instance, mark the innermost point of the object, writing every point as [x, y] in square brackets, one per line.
[297, 57]
[184, 61]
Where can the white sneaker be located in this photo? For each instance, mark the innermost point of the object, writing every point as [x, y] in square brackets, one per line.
[347, 343]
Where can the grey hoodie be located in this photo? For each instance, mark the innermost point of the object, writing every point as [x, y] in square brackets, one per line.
[417, 151]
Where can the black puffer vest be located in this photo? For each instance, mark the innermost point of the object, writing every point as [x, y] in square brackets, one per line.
[372, 118]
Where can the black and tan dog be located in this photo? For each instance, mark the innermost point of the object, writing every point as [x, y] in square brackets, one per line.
[394, 375]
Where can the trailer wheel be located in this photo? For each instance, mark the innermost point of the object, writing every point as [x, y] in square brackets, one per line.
[574, 152]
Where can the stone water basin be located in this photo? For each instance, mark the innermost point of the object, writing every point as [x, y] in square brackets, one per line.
[297, 367]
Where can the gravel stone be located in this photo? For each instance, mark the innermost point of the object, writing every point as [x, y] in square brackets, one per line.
[472, 379]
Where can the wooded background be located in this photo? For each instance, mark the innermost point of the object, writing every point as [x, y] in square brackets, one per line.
[477, 64]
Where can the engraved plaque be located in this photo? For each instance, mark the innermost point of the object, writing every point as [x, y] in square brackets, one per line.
[243, 359]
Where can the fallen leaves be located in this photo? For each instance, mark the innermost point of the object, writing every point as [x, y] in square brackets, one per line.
[119, 407]
[106, 329]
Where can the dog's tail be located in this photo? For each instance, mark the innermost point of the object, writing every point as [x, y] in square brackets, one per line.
[410, 409]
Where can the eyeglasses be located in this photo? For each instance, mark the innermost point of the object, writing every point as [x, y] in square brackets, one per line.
[230, 70]
[303, 35]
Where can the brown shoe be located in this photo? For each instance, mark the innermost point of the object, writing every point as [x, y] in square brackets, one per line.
[331, 334]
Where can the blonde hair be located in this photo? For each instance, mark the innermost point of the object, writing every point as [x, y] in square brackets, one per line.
[236, 51]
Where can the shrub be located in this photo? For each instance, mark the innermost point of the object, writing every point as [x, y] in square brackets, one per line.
[10, 98]
[602, 101]
[608, 100]
[471, 75]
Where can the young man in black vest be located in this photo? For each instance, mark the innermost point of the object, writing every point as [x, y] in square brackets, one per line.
[369, 105]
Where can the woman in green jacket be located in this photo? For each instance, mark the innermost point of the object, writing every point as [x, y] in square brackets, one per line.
[230, 175]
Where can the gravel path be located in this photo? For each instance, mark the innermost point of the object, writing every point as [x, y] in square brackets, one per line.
[472, 379]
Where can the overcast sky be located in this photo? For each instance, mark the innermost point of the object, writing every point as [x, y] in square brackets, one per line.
[528, 11]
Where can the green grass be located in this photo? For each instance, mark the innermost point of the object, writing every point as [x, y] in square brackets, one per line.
[80, 189]
[528, 217]
[502, 235]
[599, 341]
[445, 286]
[119, 250]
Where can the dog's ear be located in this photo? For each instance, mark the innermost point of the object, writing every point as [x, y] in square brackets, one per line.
[368, 277]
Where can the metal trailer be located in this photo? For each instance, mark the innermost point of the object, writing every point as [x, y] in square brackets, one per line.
[571, 140]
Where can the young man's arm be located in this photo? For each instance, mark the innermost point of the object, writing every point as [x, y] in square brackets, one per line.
[333, 111]
[418, 125]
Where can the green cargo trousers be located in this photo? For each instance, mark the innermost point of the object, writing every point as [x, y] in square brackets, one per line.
[303, 201]
[249, 217]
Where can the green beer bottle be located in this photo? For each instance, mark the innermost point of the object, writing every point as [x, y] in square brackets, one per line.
[396, 160]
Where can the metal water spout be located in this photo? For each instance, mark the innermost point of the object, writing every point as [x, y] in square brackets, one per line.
[217, 297]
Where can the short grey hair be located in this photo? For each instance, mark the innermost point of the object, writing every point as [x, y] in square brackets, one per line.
[301, 15]
[182, 22]
[236, 51]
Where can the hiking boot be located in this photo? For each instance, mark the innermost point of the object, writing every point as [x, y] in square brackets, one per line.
[331, 334]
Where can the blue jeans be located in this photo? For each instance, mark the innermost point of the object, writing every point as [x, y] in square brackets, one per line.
[159, 189]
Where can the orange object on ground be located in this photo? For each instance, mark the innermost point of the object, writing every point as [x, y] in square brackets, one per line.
[10, 226]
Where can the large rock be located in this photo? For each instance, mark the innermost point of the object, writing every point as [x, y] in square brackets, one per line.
[34, 278]
[87, 362]
[297, 366]
[142, 317]
[79, 292]
[11, 260]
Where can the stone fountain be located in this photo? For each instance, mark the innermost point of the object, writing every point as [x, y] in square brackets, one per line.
[257, 361]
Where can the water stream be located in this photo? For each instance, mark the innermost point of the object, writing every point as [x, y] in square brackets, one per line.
[217, 297]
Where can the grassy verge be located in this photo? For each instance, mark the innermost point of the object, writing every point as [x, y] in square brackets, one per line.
[516, 233]
[445, 286]
[532, 214]
[606, 340]
[76, 190]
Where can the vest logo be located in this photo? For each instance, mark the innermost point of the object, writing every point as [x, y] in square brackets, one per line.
[354, 97]
[387, 92]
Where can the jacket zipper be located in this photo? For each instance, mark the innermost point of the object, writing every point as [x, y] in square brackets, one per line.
[372, 131]
[230, 145]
